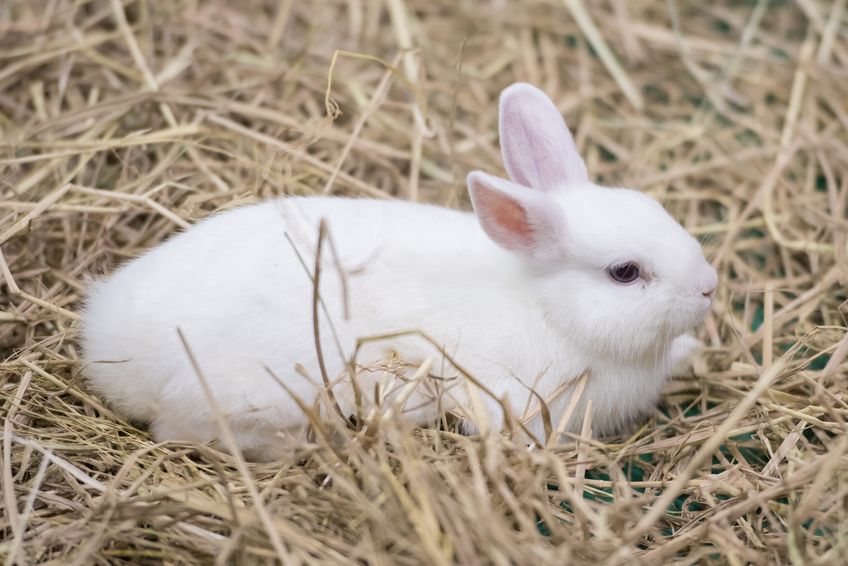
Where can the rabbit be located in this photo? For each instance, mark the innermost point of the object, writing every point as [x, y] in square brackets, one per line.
[550, 277]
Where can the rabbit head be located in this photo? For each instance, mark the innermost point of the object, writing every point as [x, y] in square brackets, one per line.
[610, 267]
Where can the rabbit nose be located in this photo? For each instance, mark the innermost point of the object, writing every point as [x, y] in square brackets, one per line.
[709, 282]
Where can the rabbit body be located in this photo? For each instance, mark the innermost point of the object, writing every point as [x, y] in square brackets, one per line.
[524, 303]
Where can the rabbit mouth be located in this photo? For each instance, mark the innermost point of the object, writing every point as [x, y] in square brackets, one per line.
[698, 314]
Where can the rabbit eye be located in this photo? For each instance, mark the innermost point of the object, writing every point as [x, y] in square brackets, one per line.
[624, 272]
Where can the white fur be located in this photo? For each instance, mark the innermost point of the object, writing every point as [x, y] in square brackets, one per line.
[531, 307]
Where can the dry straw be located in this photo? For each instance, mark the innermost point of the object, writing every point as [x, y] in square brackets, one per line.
[122, 121]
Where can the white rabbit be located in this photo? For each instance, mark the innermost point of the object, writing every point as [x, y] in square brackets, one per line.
[554, 275]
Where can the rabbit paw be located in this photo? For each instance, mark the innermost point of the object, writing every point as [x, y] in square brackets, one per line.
[683, 351]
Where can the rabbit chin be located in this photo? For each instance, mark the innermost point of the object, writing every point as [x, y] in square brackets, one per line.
[642, 341]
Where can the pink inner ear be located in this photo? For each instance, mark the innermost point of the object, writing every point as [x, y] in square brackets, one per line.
[512, 218]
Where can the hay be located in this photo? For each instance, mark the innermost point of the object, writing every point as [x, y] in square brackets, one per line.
[123, 120]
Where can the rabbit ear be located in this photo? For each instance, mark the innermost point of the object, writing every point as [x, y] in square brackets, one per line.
[538, 150]
[513, 217]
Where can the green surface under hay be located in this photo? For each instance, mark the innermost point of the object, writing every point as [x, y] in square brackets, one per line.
[122, 120]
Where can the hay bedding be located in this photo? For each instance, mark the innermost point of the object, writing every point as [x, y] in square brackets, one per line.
[123, 120]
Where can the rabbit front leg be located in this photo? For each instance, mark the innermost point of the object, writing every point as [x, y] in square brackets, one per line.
[681, 353]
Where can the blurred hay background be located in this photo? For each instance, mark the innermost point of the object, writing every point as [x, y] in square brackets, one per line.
[123, 120]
